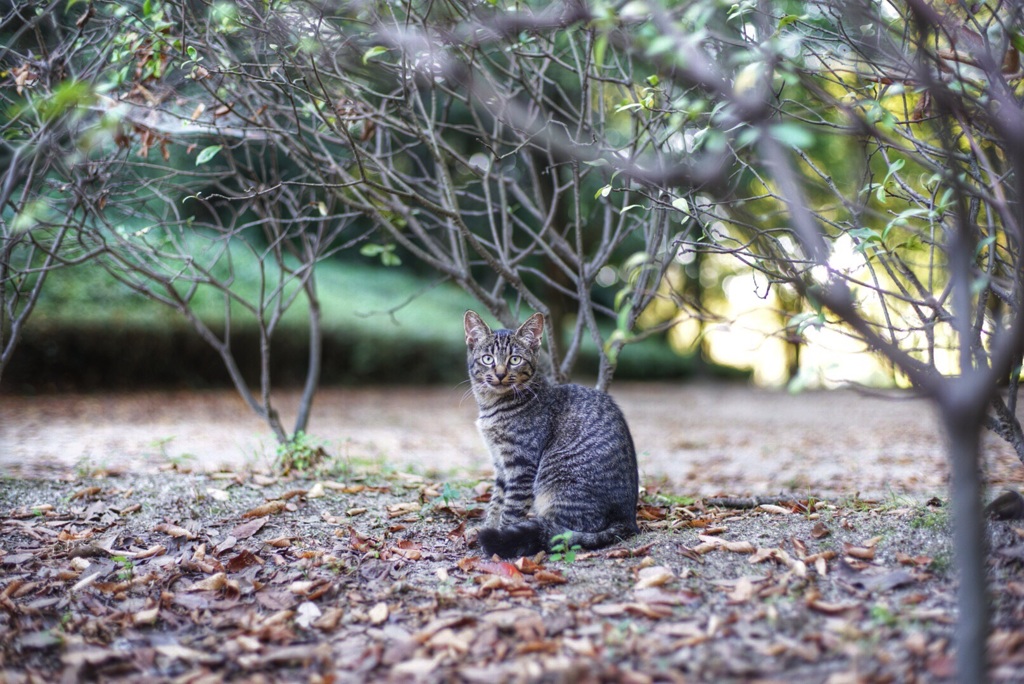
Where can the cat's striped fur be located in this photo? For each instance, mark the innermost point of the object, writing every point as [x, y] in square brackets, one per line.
[561, 452]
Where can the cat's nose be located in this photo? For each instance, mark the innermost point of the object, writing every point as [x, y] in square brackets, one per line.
[500, 372]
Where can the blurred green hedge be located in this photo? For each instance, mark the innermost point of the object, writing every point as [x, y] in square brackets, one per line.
[90, 332]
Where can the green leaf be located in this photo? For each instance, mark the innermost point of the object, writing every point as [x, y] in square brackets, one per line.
[603, 192]
[787, 20]
[805, 320]
[207, 154]
[895, 166]
[865, 237]
[865, 234]
[600, 48]
[660, 44]
[681, 204]
[375, 51]
[979, 285]
[904, 219]
[385, 252]
[984, 244]
[793, 135]
[629, 207]
[747, 136]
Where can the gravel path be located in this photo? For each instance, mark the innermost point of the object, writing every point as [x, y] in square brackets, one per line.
[705, 438]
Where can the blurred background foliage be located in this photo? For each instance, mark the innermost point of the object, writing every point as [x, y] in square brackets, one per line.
[361, 172]
[91, 332]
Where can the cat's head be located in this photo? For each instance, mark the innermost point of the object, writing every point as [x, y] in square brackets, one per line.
[502, 361]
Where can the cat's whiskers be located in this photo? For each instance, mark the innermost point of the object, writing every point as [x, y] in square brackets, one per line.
[467, 393]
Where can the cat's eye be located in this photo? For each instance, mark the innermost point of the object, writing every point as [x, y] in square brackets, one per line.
[515, 360]
[487, 360]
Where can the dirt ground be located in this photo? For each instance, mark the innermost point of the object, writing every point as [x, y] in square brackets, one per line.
[201, 578]
[705, 439]
[144, 537]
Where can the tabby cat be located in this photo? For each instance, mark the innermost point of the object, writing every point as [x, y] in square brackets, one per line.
[562, 452]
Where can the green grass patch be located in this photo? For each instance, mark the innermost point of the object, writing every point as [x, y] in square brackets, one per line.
[380, 326]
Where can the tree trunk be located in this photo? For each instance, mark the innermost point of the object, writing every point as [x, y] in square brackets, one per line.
[315, 354]
[969, 542]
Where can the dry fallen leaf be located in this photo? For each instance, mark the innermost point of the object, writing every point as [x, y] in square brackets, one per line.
[417, 669]
[146, 617]
[400, 509]
[654, 577]
[86, 493]
[211, 583]
[885, 581]
[819, 531]
[247, 529]
[329, 621]
[545, 577]
[269, 508]
[156, 550]
[582, 646]
[709, 543]
[379, 613]
[860, 552]
[306, 614]
[499, 568]
[833, 608]
[189, 655]
[743, 591]
[218, 494]
[919, 561]
[175, 531]
[279, 542]
[408, 550]
[629, 553]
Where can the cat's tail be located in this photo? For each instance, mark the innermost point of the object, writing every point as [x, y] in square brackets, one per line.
[531, 536]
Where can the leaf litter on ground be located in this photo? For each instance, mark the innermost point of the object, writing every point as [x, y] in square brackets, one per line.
[376, 578]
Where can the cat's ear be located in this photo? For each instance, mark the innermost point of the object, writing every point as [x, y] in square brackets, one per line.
[476, 330]
[532, 331]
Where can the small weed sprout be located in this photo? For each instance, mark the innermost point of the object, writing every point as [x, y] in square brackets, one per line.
[127, 570]
[66, 618]
[561, 550]
[884, 615]
[450, 493]
[302, 454]
[181, 461]
[926, 518]
[161, 444]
